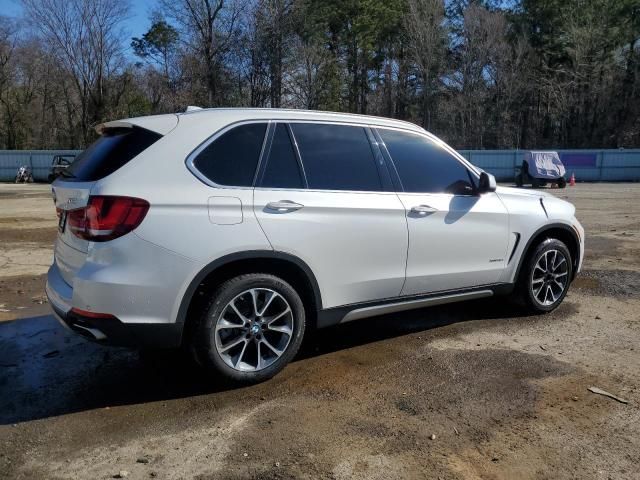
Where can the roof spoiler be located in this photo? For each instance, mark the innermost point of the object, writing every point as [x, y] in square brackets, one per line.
[161, 124]
[116, 124]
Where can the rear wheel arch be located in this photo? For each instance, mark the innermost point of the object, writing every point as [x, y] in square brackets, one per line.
[286, 266]
[560, 231]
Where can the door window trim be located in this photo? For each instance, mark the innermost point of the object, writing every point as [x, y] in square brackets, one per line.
[267, 152]
[189, 161]
[296, 150]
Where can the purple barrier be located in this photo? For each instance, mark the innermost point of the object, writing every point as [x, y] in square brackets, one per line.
[579, 159]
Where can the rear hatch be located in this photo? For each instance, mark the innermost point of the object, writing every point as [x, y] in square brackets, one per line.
[72, 190]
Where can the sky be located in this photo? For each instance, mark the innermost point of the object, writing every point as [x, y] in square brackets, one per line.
[135, 26]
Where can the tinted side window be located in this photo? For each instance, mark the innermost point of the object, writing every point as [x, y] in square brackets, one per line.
[424, 166]
[111, 151]
[233, 157]
[282, 170]
[337, 157]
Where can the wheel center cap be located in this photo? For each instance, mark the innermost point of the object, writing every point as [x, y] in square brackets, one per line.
[255, 328]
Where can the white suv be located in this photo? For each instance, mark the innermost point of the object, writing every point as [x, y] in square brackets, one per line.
[231, 231]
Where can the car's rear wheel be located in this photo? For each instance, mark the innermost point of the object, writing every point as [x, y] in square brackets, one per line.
[545, 277]
[252, 327]
[562, 182]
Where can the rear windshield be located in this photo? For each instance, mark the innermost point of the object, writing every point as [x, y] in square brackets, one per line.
[110, 152]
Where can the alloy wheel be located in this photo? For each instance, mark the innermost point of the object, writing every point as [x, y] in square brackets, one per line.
[254, 329]
[549, 277]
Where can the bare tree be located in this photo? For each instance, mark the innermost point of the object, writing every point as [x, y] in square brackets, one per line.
[480, 73]
[84, 36]
[208, 27]
[158, 48]
[8, 40]
[274, 23]
[255, 67]
[511, 79]
[426, 38]
[478, 45]
[307, 79]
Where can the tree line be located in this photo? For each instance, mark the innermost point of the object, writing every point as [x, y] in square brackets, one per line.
[480, 74]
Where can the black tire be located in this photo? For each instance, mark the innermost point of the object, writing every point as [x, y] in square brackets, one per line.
[562, 182]
[525, 291]
[535, 182]
[205, 336]
[518, 180]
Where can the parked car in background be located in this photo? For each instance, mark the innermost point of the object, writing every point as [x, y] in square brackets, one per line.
[234, 231]
[59, 164]
[540, 169]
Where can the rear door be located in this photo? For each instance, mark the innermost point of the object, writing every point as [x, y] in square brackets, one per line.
[72, 189]
[457, 238]
[324, 195]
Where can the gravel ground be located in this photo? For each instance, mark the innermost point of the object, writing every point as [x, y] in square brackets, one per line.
[465, 391]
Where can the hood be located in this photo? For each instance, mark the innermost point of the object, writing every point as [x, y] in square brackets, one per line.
[554, 207]
[524, 192]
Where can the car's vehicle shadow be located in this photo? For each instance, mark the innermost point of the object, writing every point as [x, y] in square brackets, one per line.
[46, 371]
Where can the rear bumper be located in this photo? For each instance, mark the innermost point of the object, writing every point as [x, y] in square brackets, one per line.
[108, 331]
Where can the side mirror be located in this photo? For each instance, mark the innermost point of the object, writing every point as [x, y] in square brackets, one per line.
[487, 183]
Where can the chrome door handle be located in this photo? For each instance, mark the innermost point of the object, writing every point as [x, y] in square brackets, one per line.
[284, 206]
[423, 209]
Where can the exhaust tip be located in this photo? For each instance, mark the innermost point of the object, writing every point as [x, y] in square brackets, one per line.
[93, 333]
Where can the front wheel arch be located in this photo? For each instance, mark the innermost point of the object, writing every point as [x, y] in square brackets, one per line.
[560, 231]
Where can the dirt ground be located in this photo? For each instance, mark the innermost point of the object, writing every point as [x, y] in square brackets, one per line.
[457, 392]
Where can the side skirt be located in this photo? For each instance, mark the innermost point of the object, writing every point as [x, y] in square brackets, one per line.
[357, 311]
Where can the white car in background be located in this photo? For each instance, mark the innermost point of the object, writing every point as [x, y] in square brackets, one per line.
[232, 231]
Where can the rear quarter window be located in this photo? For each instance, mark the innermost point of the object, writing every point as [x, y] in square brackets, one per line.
[115, 148]
[232, 158]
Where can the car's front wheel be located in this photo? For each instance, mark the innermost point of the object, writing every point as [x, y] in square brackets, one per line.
[252, 327]
[545, 276]
[518, 179]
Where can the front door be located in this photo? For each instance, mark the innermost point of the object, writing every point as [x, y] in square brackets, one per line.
[457, 238]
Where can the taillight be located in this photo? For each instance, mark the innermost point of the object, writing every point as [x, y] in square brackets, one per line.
[107, 217]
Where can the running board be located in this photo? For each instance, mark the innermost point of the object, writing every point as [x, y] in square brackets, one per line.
[373, 311]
